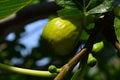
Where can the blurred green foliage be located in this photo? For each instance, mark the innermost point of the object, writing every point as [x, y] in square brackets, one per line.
[107, 68]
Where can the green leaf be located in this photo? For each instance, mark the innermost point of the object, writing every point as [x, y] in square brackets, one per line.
[76, 75]
[65, 3]
[80, 73]
[84, 36]
[8, 7]
[117, 27]
[70, 12]
[105, 6]
[93, 3]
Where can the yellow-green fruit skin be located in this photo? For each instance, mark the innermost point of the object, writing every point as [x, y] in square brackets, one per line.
[61, 35]
[97, 47]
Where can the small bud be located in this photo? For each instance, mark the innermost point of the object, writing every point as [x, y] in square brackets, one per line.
[97, 47]
[91, 60]
[52, 69]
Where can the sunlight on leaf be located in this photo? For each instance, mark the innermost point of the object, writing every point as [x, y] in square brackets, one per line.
[65, 3]
[8, 7]
[102, 8]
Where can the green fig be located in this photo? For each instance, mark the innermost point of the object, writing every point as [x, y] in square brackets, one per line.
[97, 47]
[62, 34]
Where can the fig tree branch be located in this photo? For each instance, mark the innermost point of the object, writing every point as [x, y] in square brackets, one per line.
[109, 31]
[117, 45]
[84, 52]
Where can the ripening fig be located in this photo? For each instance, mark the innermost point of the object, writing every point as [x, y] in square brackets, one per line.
[61, 35]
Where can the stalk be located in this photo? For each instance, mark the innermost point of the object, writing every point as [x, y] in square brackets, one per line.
[27, 71]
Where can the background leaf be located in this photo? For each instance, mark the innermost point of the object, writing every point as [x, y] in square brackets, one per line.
[102, 8]
[93, 3]
[69, 12]
[76, 75]
[8, 7]
[65, 3]
[117, 28]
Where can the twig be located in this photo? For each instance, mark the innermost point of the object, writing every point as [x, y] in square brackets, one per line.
[27, 71]
[70, 64]
[85, 51]
[109, 31]
[117, 45]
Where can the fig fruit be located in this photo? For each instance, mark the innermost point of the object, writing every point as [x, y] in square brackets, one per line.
[61, 35]
[97, 47]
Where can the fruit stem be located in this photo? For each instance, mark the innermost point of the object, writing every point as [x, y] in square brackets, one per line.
[27, 71]
[70, 64]
[84, 15]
